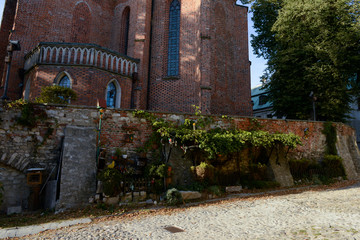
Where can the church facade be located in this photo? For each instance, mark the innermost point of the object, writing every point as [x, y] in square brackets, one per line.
[162, 55]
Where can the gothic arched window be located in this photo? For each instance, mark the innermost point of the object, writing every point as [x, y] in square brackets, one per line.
[65, 82]
[174, 39]
[113, 94]
[124, 32]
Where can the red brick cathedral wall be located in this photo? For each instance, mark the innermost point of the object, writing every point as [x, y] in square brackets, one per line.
[214, 70]
[84, 21]
[213, 67]
[230, 66]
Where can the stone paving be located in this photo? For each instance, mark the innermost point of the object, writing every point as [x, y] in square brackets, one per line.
[330, 214]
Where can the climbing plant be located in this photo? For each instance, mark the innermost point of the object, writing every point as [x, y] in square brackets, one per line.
[329, 131]
[29, 115]
[203, 134]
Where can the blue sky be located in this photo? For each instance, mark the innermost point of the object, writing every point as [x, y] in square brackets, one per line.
[258, 65]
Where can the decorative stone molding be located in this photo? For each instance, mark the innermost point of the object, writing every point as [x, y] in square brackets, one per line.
[78, 54]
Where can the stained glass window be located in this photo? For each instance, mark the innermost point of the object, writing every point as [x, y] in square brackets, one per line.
[111, 95]
[174, 39]
[64, 82]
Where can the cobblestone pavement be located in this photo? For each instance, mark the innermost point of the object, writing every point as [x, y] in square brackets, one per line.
[330, 214]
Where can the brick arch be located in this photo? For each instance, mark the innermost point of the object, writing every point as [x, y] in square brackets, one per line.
[81, 23]
[61, 75]
[15, 160]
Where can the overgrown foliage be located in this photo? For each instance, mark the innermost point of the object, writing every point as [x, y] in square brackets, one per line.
[333, 166]
[173, 197]
[306, 170]
[311, 46]
[57, 95]
[111, 179]
[331, 137]
[30, 116]
[213, 140]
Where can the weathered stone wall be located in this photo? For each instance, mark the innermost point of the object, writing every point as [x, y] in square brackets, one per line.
[78, 168]
[14, 183]
[22, 148]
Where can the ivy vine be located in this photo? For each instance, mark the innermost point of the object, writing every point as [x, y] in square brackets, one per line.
[329, 131]
[212, 140]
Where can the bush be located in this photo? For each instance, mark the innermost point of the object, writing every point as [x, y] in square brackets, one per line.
[173, 197]
[111, 179]
[300, 168]
[56, 94]
[257, 171]
[332, 166]
[157, 170]
[215, 190]
[205, 172]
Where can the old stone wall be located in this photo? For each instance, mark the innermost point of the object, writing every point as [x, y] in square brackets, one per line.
[23, 147]
[16, 191]
[78, 167]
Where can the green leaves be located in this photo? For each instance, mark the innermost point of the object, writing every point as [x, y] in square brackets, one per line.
[215, 141]
[311, 46]
[57, 95]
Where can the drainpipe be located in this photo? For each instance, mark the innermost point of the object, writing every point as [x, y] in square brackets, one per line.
[150, 48]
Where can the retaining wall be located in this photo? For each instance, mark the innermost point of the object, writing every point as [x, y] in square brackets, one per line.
[22, 148]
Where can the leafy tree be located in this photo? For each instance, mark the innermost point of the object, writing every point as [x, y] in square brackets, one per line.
[56, 94]
[311, 46]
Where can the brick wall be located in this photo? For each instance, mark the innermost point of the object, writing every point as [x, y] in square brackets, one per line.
[5, 30]
[89, 83]
[23, 148]
[89, 21]
[214, 62]
[117, 123]
[214, 66]
[230, 66]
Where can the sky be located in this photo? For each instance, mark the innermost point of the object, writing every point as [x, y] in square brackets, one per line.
[258, 65]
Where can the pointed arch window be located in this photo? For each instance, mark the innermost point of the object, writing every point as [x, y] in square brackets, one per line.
[65, 82]
[125, 25]
[174, 39]
[113, 95]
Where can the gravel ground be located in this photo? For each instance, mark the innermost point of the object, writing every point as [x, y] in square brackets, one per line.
[330, 214]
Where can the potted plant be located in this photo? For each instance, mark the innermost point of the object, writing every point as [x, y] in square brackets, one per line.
[111, 179]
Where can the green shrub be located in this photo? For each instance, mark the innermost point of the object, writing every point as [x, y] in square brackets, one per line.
[332, 166]
[56, 94]
[173, 197]
[215, 190]
[257, 171]
[331, 137]
[157, 170]
[205, 172]
[300, 168]
[111, 179]
[30, 115]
